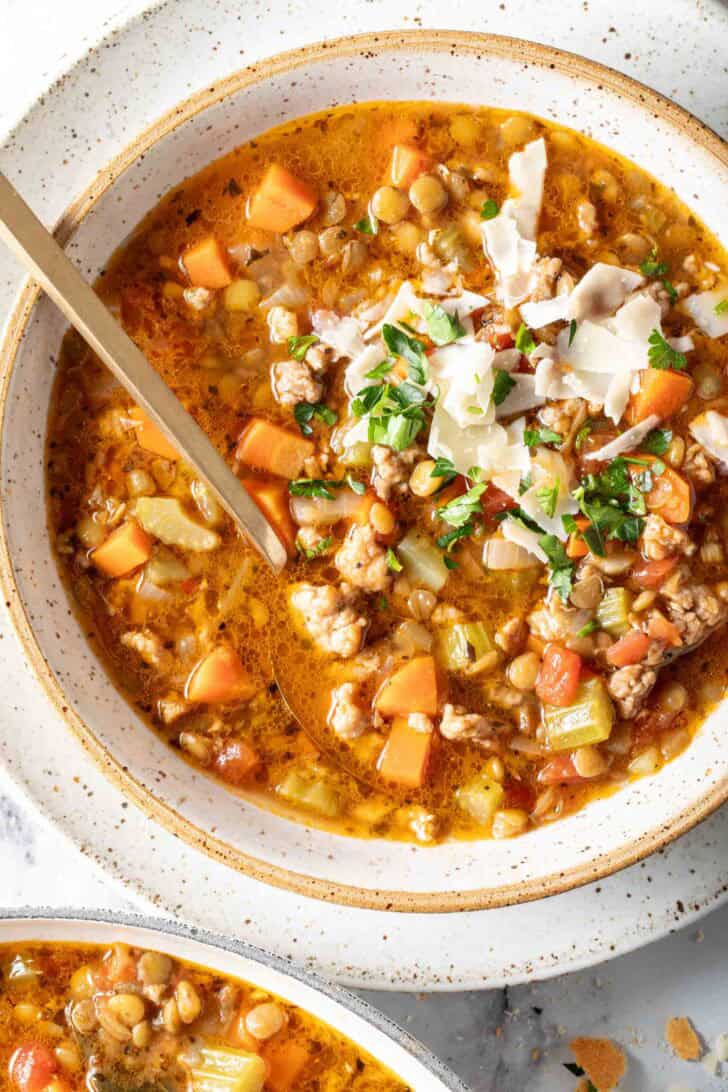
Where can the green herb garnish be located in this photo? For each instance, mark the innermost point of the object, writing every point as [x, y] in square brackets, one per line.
[572, 331]
[561, 576]
[368, 225]
[721, 307]
[320, 548]
[590, 627]
[662, 355]
[650, 267]
[304, 413]
[489, 209]
[524, 340]
[657, 442]
[443, 468]
[459, 510]
[381, 369]
[313, 487]
[548, 498]
[447, 541]
[534, 437]
[298, 346]
[503, 384]
[442, 327]
[410, 348]
[393, 562]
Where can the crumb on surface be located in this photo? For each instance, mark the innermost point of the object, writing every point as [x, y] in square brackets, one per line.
[603, 1062]
[683, 1038]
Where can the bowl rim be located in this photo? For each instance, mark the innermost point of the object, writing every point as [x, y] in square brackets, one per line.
[340, 995]
[414, 40]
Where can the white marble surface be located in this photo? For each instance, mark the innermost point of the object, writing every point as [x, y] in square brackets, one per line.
[488, 1037]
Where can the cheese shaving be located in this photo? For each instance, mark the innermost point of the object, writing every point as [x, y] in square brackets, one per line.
[627, 441]
[701, 308]
[711, 430]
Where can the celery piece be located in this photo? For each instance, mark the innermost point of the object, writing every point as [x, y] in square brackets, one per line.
[588, 719]
[224, 1069]
[358, 455]
[464, 643]
[316, 795]
[613, 611]
[423, 563]
[480, 797]
[166, 519]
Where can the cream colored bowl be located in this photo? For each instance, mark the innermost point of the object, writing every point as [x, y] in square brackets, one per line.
[443, 66]
[349, 1015]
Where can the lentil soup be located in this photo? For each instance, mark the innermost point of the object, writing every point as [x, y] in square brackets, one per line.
[121, 1019]
[471, 366]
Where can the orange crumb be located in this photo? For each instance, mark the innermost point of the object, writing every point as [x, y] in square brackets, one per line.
[683, 1038]
[602, 1061]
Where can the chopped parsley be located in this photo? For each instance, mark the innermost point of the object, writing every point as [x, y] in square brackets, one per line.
[304, 412]
[393, 561]
[533, 437]
[670, 289]
[721, 307]
[298, 346]
[381, 369]
[396, 414]
[590, 627]
[662, 355]
[614, 505]
[582, 434]
[650, 267]
[459, 510]
[313, 487]
[489, 211]
[320, 548]
[503, 384]
[561, 576]
[442, 327]
[572, 331]
[450, 562]
[548, 498]
[443, 468]
[569, 524]
[410, 348]
[524, 340]
[368, 225]
[657, 442]
[447, 541]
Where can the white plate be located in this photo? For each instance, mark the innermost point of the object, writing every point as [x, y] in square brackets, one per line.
[360, 946]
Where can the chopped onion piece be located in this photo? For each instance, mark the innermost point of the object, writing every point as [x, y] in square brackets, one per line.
[701, 307]
[711, 430]
[499, 554]
[317, 511]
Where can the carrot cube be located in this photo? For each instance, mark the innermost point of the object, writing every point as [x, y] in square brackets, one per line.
[281, 201]
[150, 436]
[287, 1062]
[408, 163]
[406, 755]
[124, 550]
[207, 264]
[662, 392]
[220, 677]
[269, 447]
[412, 689]
[273, 500]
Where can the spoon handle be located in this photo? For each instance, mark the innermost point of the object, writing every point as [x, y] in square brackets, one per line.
[39, 252]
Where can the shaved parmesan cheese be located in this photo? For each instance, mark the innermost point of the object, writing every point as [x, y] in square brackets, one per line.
[349, 434]
[507, 360]
[438, 281]
[464, 371]
[340, 333]
[463, 304]
[493, 448]
[627, 441]
[550, 472]
[711, 430]
[594, 348]
[637, 318]
[544, 312]
[515, 531]
[526, 171]
[355, 375]
[511, 255]
[403, 306]
[501, 555]
[556, 382]
[681, 344]
[617, 396]
[701, 308]
[601, 291]
[521, 397]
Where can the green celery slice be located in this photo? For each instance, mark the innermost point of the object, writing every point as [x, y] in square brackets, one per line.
[224, 1069]
[613, 611]
[588, 719]
[480, 797]
[422, 561]
[464, 643]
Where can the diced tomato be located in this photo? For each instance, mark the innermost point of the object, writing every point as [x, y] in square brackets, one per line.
[558, 770]
[651, 574]
[499, 337]
[495, 500]
[32, 1067]
[662, 629]
[520, 795]
[558, 679]
[630, 649]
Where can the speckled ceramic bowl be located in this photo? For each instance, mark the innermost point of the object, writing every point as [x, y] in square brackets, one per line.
[349, 1015]
[456, 67]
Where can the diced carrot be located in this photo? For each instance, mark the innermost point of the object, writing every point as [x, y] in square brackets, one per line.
[411, 689]
[671, 495]
[207, 264]
[124, 550]
[150, 437]
[559, 770]
[269, 447]
[662, 392]
[651, 574]
[495, 500]
[408, 163]
[662, 629]
[558, 678]
[273, 500]
[281, 201]
[406, 755]
[630, 649]
[287, 1061]
[236, 762]
[364, 507]
[220, 677]
[575, 546]
[32, 1067]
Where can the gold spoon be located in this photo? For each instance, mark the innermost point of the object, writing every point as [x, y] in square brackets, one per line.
[39, 252]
